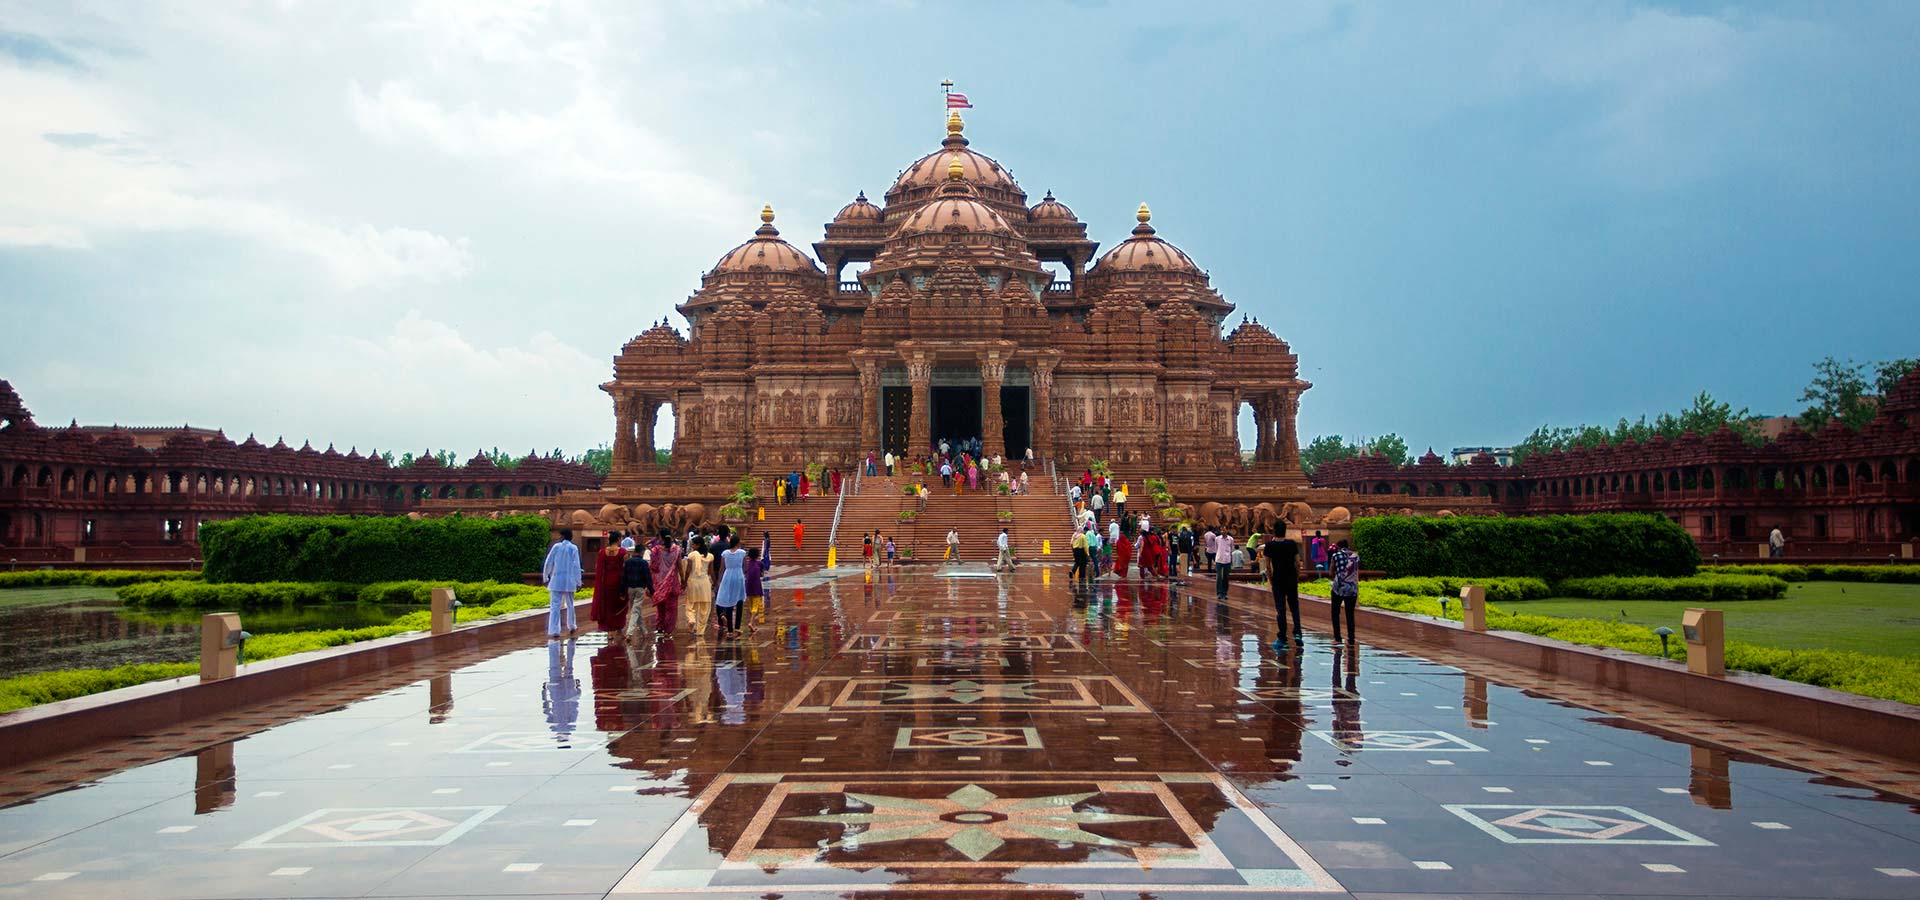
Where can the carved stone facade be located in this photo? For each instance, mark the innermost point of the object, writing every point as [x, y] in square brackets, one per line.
[956, 315]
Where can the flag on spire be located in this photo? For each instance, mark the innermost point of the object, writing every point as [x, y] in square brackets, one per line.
[956, 100]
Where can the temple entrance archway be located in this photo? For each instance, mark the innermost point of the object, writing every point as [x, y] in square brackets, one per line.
[1018, 433]
[896, 418]
[956, 413]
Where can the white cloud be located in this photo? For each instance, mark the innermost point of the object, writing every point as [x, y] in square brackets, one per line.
[81, 165]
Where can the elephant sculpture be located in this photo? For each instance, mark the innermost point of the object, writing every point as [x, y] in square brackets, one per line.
[1211, 514]
[1265, 517]
[1339, 516]
[1296, 514]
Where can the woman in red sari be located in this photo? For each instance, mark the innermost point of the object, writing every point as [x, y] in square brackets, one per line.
[1122, 554]
[609, 595]
[663, 558]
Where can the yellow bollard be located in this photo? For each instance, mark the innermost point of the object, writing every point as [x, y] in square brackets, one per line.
[833, 559]
[762, 511]
[1046, 576]
[1046, 547]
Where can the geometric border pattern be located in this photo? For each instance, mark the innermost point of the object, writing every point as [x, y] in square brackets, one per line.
[982, 693]
[1399, 741]
[649, 877]
[1515, 824]
[970, 738]
[422, 816]
[531, 742]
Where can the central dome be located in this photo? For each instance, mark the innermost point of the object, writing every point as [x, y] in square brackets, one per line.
[930, 171]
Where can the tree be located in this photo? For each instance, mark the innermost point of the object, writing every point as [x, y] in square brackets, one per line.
[1890, 372]
[599, 459]
[1703, 417]
[1326, 448]
[1838, 390]
[1391, 446]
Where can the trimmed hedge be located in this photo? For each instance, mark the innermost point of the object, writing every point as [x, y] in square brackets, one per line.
[1901, 574]
[1707, 586]
[88, 577]
[46, 687]
[1887, 677]
[199, 595]
[367, 549]
[1499, 590]
[1550, 547]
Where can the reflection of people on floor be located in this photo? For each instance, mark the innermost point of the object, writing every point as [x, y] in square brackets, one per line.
[1346, 708]
[1288, 722]
[731, 677]
[693, 666]
[561, 694]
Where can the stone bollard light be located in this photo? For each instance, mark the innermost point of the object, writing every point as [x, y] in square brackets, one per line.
[1706, 634]
[1473, 607]
[444, 603]
[220, 642]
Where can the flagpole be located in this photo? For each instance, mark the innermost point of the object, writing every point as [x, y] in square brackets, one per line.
[946, 87]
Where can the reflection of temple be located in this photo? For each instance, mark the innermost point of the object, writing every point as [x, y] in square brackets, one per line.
[956, 328]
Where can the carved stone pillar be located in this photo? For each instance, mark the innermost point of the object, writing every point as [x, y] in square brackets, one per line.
[869, 408]
[920, 417]
[623, 449]
[1289, 436]
[1260, 431]
[649, 418]
[993, 370]
[1042, 408]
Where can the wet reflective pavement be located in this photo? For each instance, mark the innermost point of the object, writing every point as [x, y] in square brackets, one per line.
[953, 736]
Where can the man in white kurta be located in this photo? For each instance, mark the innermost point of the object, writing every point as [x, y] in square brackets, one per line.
[561, 574]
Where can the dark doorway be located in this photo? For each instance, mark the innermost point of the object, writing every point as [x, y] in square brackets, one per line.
[1013, 411]
[896, 420]
[956, 413]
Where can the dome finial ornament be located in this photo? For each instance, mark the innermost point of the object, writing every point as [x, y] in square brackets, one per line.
[954, 123]
[955, 171]
[1143, 214]
[766, 213]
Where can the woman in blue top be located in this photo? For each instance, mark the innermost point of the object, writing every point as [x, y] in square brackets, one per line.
[733, 590]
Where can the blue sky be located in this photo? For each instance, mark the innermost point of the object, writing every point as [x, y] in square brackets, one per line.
[404, 225]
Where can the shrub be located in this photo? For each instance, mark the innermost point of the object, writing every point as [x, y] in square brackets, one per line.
[1710, 586]
[1499, 590]
[200, 595]
[468, 593]
[1005, 515]
[369, 549]
[22, 691]
[908, 515]
[1550, 547]
[910, 490]
[1900, 574]
[733, 511]
[92, 577]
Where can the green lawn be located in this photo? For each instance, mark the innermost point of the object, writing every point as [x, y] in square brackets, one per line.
[1832, 615]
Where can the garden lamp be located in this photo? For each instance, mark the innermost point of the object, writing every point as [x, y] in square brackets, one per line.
[1664, 632]
[1443, 606]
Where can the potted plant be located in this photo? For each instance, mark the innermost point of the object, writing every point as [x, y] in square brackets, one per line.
[1005, 515]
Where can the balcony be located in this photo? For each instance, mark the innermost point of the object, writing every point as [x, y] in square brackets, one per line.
[1060, 289]
[849, 288]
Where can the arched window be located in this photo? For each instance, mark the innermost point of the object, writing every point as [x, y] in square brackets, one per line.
[447, 492]
[1589, 487]
[1706, 479]
[46, 477]
[1659, 482]
[20, 475]
[1409, 489]
[1913, 470]
[91, 484]
[1888, 474]
[476, 492]
[1463, 489]
[527, 490]
[69, 482]
[1840, 475]
[1819, 477]
[1690, 478]
[1863, 474]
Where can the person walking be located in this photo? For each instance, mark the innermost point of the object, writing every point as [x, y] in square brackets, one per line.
[892, 560]
[1122, 548]
[636, 576]
[756, 589]
[732, 593]
[799, 535]
[1776, 543]
[1004, 560]
[1096, 503]
[924, 494]
[870, 467]
[697, 600]
[1345, 564]
[1120, 500]
[1079, 570]
[1283, 574]
[1222, 563]
[609, 595]
[1317, 552]
[866, 547]
[663, 558]
[946, 474]
[561, 574]
[953, 544]
[888, 460]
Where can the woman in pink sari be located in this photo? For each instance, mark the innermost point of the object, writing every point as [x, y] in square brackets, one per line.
[973, 477]
[663, 559]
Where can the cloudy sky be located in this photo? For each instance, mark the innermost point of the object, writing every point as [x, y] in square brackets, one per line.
[410, 225]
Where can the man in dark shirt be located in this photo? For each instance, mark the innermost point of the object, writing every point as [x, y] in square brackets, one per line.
[1283, 569]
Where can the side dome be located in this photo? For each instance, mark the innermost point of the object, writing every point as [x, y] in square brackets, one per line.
[859, 212]
[1145, 252]
[1051, 210]
[765, 253]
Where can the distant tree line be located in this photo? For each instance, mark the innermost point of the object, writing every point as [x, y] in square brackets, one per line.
[1329, 447]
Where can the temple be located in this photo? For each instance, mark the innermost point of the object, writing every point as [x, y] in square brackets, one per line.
[955, 311]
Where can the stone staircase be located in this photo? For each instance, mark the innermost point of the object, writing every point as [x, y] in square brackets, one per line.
[1039, 516]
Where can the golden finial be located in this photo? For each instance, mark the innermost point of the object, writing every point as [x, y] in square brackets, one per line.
[766, 214]
[954, 125]
[955, 171]
[1144, 214]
